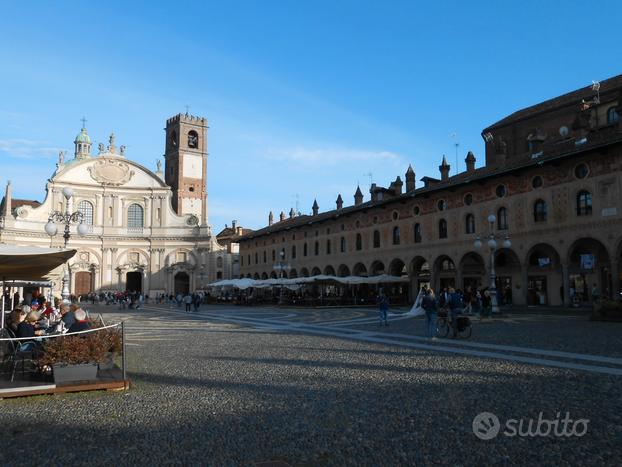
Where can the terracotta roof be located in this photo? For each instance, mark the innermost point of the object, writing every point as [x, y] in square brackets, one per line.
[15, 203]
[575, 96]
[596, 139]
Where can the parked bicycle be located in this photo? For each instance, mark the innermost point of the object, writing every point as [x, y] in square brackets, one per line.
[443, 325]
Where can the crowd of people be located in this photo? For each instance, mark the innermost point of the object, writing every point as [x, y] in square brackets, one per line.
[449, 302]
[42, 317]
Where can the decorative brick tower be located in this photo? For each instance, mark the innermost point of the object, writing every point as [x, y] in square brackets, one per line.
[186, 164]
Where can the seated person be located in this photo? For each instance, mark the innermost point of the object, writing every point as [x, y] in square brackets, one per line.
[80, 324]
[27, 327]
[67, 315]
[17, 316]
[49, 311]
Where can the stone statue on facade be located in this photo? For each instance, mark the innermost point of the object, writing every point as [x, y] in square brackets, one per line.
[122, 149]
[100, 148]
[158, 165]
[61, 157]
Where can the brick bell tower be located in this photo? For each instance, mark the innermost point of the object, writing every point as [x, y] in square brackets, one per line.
[186, 164]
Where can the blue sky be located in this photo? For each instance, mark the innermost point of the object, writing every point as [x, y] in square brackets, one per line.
[304, 99]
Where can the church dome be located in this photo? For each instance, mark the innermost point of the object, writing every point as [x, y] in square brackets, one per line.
[83, 137]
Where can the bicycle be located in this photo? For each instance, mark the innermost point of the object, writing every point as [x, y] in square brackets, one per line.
[443, 325]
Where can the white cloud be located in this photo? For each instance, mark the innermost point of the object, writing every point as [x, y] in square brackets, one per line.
[333, 156]
[27, 149]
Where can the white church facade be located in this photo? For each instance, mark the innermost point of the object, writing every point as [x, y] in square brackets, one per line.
[143, 230]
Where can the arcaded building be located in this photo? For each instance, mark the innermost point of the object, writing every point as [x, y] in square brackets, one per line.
[552, 178]
[147, 230]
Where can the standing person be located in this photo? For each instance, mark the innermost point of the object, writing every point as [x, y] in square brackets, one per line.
[429, 304]
[476, 303]
[595, 294]
[486, 304]
[468, 300]
[179, 299]
[456, 305]
[188, 301]
[383, 308]
[197, 301]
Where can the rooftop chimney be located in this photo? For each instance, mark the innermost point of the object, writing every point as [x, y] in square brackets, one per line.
[358, 196]
[339, 202]
[410, 179]
[444, 169]
[470, 162]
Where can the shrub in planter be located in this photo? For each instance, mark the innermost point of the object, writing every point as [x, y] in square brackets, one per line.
[93, 347]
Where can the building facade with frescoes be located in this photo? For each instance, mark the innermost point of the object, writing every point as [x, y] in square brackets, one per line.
[552, 180]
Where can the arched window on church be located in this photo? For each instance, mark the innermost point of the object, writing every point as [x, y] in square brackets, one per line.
[135, 216]
[193, 139]
[304, 250]
[343, 244]
[219, 262]
[86, 208]
[359, 242]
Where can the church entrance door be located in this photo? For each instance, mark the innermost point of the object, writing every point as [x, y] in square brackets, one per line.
[134, 282]
[182, 283]
[83, 283]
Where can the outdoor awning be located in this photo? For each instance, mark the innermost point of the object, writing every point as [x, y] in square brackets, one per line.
[30, 263]
[351, 280]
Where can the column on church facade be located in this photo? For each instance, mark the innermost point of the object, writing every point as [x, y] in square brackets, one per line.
[147, 200]
[99, 210]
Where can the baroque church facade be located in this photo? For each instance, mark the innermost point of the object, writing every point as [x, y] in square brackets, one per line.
[146, 230]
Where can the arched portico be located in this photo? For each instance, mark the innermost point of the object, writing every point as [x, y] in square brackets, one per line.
[445, 272]
[508, 276]
[543, 281]
[329, 270]
[316, 271]
[377, 268]
[343, 270]
[589, 266]
[304, 272]
[473, 271]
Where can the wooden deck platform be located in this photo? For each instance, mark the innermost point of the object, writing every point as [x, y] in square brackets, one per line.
[107, 380]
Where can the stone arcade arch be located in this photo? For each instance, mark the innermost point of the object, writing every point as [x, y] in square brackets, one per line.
[420, 274]
[329, 270]
[399, 292]
[588, 265]
[304, 272]
[316, 271]
[376, 268]
[359, 269]
[343, 270]
[544, 276]
[293, 274]
[444, 272]
[508, 273]
[473, 271]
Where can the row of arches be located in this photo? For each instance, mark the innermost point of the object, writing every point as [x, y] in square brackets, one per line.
[541, 277]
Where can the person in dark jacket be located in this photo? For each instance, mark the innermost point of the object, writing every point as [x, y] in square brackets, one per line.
[27, 327]
[429, 304]
[81, 323]
[456, 305]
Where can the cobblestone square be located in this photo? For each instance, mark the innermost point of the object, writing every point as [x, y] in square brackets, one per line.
[240, 386]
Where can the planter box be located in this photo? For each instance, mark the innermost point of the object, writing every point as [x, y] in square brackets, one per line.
[69, 373]
[108, 364]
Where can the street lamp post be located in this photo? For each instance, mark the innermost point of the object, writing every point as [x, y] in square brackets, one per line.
[67, 218]
[281, 266]
[492, 247]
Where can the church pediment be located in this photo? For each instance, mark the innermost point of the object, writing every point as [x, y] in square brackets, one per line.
[111, 172]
